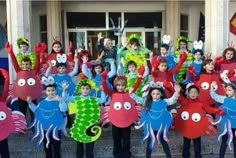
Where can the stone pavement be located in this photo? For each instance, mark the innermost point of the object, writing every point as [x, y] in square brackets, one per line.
[21, 146]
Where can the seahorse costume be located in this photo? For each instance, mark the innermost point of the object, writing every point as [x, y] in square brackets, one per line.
[87, 115]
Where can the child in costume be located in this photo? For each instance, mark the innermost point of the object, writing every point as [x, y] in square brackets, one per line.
[61, 74]
[135, 52]
[227, 122]
[132, 75]
[155, 119]
[192, 122]
[85, 129]
[165, 51]
[182, 47]
[160, 72]
[9, 120]
[95, 74]
[226, 62]
[49, 119]
[24, 51]
[198, 59]
[107, 50]
[122, 112]
[27, 82]
[57, 49]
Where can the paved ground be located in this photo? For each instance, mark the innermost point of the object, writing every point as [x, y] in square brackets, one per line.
[21, 147]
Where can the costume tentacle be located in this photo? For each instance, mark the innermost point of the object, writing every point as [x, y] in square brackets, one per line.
[41, 136]
[32, 124]
[152, 137]
[140, 125]
[165, 134]
[37, 130]
[230, 134]
[158, 134]
[48, 134]
[217, 122]
[55, 134]
[224, 132]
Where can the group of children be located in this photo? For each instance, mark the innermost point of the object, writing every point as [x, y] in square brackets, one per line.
[119, 85]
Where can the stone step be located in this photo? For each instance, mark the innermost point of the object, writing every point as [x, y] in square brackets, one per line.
[21, 146]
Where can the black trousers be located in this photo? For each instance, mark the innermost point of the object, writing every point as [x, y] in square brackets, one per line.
[89, 150]
[163, 143]
[197, 147]
[4, 149]
[121, 142]
[23, 106]
[224, 144]
[54, 147]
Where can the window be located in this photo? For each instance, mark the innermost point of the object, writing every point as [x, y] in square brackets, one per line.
[115, 18]
[145, 20]
[43, 28]
[184, 25]
[85, 19]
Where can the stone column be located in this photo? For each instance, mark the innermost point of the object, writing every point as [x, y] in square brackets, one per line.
[53, 21]
[18, 25]
[216, 26]
[172, 25]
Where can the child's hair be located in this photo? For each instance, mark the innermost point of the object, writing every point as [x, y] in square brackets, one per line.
[133, 41]
[61, 64]
[26, 59]
[131, 62]
[205, 62]
[59, 43]
[93, 68]
[166, 46]
[198, 50]
[232, 85]
[230, 49]
[86, 84]
[50, 85]
[192, 87]
[120, 80]
[84, 53]
[149, 99]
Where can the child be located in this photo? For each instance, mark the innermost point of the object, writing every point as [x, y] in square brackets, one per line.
[182, 47]
[106, 50]
[61, 74]
[154, 102]
[120, 126]
[87, 115]
[226, 61]
[95, 74]
[181, 124]
[51, 124]
[227, 122]
[132, 75]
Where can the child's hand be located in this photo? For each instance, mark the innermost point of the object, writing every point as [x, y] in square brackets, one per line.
[208, 55]
[141, 71]
[177, 88]
[131, 90]
[65, 86]
[58, 98]
[155, 61]
[112, 61]
[8, 47]
[75, 58]
[28, 99]
[84, 59]
[99, 35]
[213, 86]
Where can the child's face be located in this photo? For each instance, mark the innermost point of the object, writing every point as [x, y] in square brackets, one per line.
[197, 56]
[134, 46]
[108, 44]
[98, 69]
[24, 48]
[229, 55]
[120, 87]
[61, 69]
[84, 91]
[193, 93]
[156, 94]
[131, 68]
[56, 48]
[26, 65]
[50, 92]
[162, 66]
[230, 92]
[209, 67]
[182, 46]
[163, 51]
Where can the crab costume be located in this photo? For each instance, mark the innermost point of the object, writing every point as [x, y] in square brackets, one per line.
[228, 121]
[87, 110]
[192, 115]
[10, 121]
[157, 119]
[122, 111]
[26, 82]
[49, 117]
